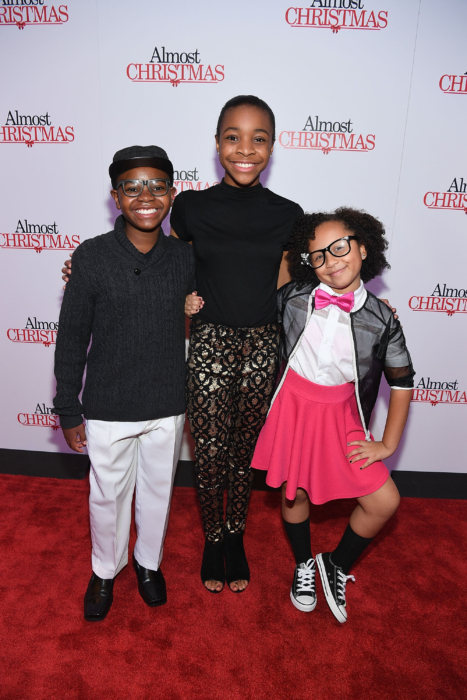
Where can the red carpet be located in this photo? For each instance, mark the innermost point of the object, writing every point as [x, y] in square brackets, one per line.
[405, 638]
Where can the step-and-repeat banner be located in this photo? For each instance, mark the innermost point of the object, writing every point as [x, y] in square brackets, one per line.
[370, 98]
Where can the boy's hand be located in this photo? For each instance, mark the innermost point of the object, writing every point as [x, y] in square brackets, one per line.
[193, 304]
[371, 451]
[385, 301]
[67, 271]
[75, 437]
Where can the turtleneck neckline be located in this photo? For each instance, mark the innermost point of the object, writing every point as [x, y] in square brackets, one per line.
[240, 192]
[157, 250]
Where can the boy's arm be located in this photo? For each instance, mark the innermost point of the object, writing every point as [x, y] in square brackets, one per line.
[73, 337]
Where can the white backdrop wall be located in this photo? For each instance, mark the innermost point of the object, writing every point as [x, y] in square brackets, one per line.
[388, 81]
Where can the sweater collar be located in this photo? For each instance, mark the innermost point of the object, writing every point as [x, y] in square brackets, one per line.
[127, 245]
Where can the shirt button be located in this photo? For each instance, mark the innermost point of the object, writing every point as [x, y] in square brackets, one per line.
[137, 271]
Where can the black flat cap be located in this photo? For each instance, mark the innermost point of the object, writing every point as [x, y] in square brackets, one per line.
[137, 157]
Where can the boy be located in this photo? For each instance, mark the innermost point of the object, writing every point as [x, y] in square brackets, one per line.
[127, 292]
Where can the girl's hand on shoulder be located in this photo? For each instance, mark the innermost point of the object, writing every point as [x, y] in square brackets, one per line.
[386, 301]
[193, 304]
[373, 451]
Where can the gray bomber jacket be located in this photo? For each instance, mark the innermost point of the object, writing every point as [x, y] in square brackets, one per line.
[378, 344]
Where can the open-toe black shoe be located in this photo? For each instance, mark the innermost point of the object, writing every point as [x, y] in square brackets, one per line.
[212, 568]
[236, 565]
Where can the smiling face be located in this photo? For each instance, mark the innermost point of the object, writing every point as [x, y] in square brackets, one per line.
[341, 274]
[145, 213]
[244, 145]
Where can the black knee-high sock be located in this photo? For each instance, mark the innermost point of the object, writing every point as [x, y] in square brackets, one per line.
[299, 538]
[349, 549]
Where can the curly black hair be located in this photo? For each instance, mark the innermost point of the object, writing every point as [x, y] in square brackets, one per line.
[251, 101]
[369, 231]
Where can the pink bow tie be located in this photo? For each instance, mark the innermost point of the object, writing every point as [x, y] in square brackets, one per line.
[344, 302]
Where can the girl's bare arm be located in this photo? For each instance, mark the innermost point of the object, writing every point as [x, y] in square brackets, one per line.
[399, 403]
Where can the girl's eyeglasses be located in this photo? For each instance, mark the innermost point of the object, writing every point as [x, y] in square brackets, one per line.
[338, 248]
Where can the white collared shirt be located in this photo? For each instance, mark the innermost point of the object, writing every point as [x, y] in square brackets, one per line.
[325, 353]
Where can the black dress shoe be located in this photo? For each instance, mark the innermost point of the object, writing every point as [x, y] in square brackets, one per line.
[98, 598]
[151, 585]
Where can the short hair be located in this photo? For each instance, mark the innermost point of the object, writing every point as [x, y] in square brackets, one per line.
[368, 230]
[249, 100]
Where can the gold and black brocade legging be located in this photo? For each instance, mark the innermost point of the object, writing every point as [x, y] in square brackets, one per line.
[230, 381]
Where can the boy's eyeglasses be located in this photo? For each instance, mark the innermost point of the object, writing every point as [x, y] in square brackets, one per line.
[338, 248]
[133, 188]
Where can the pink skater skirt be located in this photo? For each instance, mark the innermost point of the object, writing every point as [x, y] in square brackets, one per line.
[304, 442]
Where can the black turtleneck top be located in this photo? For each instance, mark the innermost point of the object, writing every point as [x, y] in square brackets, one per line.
[239, 236]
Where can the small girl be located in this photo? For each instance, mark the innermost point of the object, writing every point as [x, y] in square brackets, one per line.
[338, 339]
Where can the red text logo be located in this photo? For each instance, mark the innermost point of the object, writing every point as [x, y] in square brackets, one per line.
[41, 418]
[454, 84]
[175, 67]
[336, 15]
[327, 136]
[31, 129]
[43, 332]
[20, 13]
[189, 180]
[444, 299]
[455, 197]
[38, 237]
[428, 391]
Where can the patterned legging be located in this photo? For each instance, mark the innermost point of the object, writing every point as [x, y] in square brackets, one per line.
[231, 376]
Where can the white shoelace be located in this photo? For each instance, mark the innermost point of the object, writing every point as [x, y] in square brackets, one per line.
[341, 583]
[306, 577]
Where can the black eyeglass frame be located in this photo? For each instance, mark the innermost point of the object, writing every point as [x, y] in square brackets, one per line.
[306, 256]
[168, 184]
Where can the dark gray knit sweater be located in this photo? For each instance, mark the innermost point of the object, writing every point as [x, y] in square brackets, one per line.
[133, 307]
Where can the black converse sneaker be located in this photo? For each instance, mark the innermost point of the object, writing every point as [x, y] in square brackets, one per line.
[303, 593]
[334, 582]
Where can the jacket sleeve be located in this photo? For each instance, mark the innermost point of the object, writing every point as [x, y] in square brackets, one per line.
[398, 368]
[73, 337]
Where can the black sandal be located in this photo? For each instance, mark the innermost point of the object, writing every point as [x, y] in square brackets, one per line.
[212, 568]
[236, 565]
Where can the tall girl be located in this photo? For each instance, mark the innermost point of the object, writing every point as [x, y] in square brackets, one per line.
[239, 231]
[338, 341]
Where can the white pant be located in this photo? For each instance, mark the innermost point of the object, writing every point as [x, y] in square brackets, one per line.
[124, 454]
